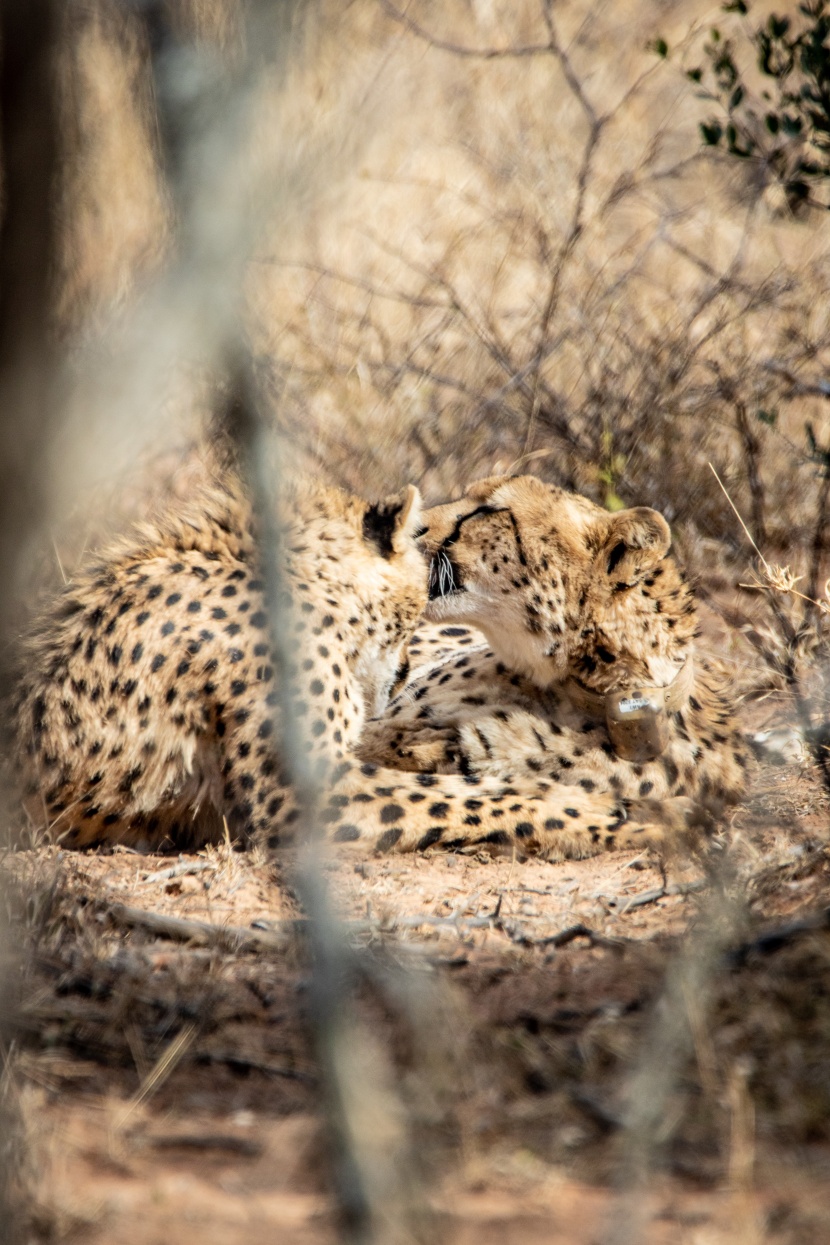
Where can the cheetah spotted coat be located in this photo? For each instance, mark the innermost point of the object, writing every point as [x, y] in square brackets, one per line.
[147, 713]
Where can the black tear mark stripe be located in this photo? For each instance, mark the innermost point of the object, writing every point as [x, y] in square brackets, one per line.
[517, 534]
[456, 531]
[616, 556]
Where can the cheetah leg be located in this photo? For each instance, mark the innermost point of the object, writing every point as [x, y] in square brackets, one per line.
[382, 810]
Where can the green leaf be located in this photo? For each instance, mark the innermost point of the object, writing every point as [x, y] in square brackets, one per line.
[711, 132]
[778, 26]
[811, 438]
[762, 42]
[797, 191]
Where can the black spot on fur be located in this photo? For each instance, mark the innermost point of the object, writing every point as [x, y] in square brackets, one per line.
[431, 837]
[389, 838]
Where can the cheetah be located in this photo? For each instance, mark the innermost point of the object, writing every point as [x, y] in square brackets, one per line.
[148, 710]
[584, 668]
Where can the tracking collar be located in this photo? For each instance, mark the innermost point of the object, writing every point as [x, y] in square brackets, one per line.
[637, 718]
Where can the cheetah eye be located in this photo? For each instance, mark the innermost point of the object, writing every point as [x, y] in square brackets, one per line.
[422, 531]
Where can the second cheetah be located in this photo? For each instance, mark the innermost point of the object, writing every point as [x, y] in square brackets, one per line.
[587, 672]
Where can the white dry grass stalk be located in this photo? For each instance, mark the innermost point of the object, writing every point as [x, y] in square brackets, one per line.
[747, 1223]
[778, 578]
[677, 1029]
[158, 1074]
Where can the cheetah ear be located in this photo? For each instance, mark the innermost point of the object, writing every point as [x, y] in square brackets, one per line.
[392, 524]
[637, 540]
[480, 490]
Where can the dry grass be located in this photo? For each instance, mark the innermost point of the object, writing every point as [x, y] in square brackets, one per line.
[140, 1057]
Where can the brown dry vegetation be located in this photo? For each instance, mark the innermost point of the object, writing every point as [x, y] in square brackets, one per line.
[460, 238]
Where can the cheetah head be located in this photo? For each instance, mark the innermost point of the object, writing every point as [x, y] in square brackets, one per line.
[559, 586]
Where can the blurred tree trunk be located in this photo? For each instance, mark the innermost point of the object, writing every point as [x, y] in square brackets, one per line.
[28, 145]
[28, 148]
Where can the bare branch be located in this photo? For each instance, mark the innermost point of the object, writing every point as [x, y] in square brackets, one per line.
[514, 52]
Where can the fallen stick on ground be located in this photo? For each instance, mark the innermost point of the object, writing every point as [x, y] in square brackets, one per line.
[660, 892]
[203, 933]
[276, 935]
[560, 939]
[778, 937]
[249, 1064]
[245, 1146]
[180, 870]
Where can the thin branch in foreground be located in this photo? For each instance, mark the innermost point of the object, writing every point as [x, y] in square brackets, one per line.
[514, 52]
[199, 933]
[29, 132]
[369, 1184]
[662, 1054]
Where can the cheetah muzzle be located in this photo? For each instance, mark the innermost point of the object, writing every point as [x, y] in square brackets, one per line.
[444, 578]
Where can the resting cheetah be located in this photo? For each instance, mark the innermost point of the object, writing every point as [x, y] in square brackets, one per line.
[584, 611]
[145, 715]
